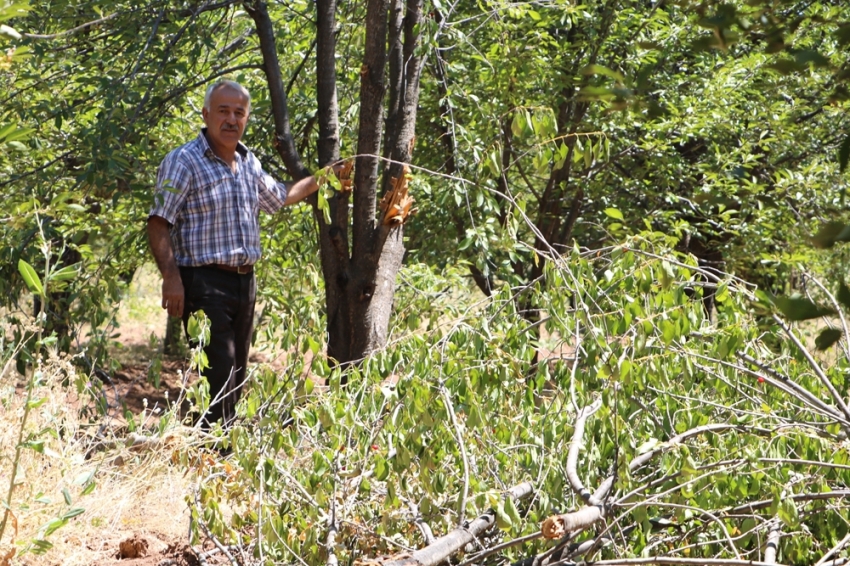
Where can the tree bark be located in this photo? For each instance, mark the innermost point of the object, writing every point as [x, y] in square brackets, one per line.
[360, 257]
[453, 542]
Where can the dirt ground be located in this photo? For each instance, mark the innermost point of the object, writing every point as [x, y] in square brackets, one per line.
[138, 515]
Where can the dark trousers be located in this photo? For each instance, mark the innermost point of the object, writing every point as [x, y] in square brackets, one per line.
[228, 301]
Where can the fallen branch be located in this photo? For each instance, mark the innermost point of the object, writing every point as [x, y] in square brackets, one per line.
[772, 544]
[825, 559]
[572, 456]
[558, 526]
[330, 542]
[499, 547]
[447, 545]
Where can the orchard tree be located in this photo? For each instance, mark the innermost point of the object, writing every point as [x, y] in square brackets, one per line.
[361, 251]
[621, 118]
[103, 108]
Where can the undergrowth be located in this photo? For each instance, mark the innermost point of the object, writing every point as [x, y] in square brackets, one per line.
[739, 431]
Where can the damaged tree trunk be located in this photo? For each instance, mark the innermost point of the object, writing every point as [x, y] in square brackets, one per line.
[360, 254]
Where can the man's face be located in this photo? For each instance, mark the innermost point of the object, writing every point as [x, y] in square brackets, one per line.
[226, 117]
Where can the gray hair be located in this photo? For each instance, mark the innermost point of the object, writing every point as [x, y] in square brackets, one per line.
[225, 83]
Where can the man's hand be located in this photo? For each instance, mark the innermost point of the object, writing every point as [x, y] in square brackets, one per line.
[173, 296]
[342, 170]
[172, 284]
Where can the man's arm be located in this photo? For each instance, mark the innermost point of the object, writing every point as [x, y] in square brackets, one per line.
[299, 190]
[163, 253]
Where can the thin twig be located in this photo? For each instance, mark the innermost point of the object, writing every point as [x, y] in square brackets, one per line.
[835, 549]
[215, 541]
[756, 505]
[575, 365]
[464, 492]
[815, 366]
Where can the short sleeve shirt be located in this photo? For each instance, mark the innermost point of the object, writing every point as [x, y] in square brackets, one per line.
[214, 211]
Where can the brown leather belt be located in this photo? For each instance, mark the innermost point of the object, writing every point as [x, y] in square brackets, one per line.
[242, 269]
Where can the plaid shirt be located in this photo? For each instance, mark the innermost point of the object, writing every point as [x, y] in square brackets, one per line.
[214, 212]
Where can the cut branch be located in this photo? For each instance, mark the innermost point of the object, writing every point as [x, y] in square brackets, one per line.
[575, 447]
[772, 543]
[558, 526]
[446, 546]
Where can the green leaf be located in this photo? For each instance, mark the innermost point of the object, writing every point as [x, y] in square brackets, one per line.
[67, 495]
[53, 525]
[30, 278]
[5, 130]
[14, 10]
[827, 338]
[503, 520]
[65, 274]
[37, 445]
[614, 213]
[19, 134]
[83, 478]
[788, 512]
[799, 308]
[512, 511]
[324, 206]
[41, 546]
[36, 403]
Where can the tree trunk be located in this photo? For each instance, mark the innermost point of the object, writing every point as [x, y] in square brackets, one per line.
[360, 257]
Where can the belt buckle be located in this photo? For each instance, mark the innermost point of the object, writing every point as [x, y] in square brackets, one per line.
[243, 269]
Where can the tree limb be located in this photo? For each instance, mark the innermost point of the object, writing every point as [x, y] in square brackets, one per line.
[283, 143]
[572, 456]
[451, 543]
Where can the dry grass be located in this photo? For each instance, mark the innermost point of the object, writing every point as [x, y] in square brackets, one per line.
[136, 494]
[133, 492]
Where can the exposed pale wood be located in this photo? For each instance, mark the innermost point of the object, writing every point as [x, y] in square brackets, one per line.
[558, 526]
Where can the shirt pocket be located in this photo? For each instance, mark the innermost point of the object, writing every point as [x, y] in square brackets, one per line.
[211, 195]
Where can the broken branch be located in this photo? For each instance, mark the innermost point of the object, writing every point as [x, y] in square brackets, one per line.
[451, 543]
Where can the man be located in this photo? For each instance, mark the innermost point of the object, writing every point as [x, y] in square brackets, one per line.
[203, 230]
